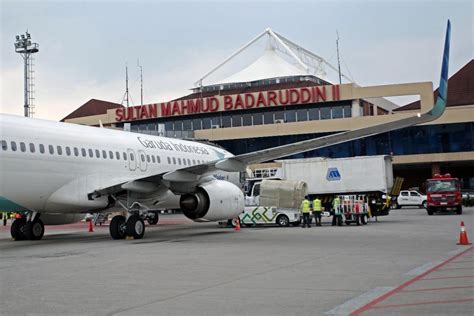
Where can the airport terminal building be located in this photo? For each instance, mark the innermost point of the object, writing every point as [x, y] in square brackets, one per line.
[274, 102]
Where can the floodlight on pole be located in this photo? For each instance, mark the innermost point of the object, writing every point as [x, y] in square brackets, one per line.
[26, 48]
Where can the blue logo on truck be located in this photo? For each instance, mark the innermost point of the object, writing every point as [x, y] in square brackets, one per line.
[333, 174]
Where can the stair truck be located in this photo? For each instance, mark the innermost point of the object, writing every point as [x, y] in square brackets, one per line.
[364, 184]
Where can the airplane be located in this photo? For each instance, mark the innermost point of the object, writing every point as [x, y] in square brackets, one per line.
[55, 172]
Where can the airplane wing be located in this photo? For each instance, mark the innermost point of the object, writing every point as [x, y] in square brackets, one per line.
[192, 174]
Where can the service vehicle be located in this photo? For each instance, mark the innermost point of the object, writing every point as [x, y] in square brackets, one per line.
[443, 194]
[411, 198]
[273, 202]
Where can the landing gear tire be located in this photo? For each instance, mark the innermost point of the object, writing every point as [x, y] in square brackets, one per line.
[153, 220]
[135, 227]
[18, 228]
[118, 227]
[34, 230]
[283, 221]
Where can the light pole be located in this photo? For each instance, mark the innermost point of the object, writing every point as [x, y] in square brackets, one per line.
[25, 48]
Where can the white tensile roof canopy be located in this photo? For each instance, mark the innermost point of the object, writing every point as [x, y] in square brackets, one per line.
[271, 64]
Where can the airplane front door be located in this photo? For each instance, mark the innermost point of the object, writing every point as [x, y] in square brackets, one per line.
[132, 159]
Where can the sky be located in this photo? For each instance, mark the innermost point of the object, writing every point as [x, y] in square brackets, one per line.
[85, 45]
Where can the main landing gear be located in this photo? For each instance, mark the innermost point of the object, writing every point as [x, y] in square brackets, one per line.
[28, 227]
[120, 228]
[133, 226]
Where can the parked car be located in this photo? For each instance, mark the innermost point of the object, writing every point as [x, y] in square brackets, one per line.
[467, 197]
[411, 198]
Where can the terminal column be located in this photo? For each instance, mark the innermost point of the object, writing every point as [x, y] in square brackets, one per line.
[435, 168]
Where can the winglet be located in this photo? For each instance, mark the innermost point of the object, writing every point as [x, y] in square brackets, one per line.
[440, 105]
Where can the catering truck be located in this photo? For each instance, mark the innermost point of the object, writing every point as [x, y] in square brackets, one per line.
[443, 194]
[273, 202]
[367, 178]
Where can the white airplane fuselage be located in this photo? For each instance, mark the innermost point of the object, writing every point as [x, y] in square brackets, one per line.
[48, 166]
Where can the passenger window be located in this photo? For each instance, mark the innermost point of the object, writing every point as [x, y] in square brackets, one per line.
[413, 194]
[174, 160]
[169, 160]
[4, 145]
[153, 159]
[124, 156]
[68, 151]
[142, 156]
[132, 157]
[41, 146]
[22, 146]
[32, 147]
[84, 152]
[51, 149]
[148, 158]
[76, 151]
[97, 153]
[104, 154]
[111, 154]
[194, 161]
[13, 146]
[117, 155]
[158, 159]
[184, 161]
[189, 162]
[60, 150]
[179, 161]
[91, 153]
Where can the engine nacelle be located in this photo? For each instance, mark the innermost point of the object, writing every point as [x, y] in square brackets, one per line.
[213, 201]
[60, 219]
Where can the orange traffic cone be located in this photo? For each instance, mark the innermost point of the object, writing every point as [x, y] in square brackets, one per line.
[237, 224]
[463, 240]
[91, 227]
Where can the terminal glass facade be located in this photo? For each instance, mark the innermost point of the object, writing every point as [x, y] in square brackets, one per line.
[270, 115]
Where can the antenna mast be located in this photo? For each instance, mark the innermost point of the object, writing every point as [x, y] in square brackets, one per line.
[338, 61]
[141, 81]
[126, 96]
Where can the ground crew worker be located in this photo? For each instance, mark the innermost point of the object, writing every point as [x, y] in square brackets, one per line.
[4, 217]
[317, 210]
[305, 210]
[336, 206]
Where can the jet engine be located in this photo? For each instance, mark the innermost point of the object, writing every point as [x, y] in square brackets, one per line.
[213, 201]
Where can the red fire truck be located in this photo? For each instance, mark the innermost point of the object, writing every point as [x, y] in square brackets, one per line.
[443, 194]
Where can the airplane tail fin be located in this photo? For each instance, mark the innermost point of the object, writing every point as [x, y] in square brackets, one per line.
[440, 105]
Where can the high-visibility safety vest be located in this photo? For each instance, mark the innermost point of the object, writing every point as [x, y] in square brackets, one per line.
[336, 202]
[317, 205]
[305, 206]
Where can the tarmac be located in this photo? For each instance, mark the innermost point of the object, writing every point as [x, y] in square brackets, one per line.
[406, 263]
